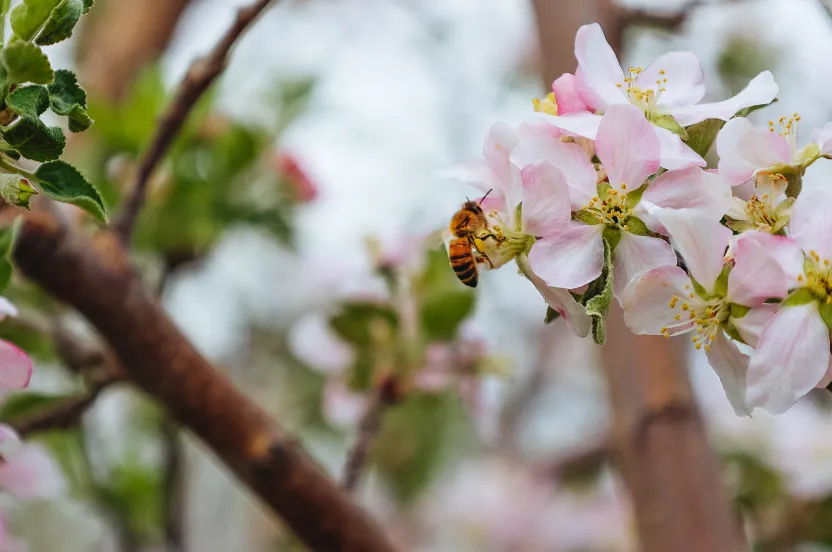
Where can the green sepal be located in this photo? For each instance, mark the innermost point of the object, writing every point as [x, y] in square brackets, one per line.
[636, 226]
[826, 314]
[632, 198]
[598, 297]
[799, 296]
[603, 189]
[586, 217]
[62, 182]
[668, 122]
[8, 239]
[732, 332]
[699, 288]
[26, 62]
[701, 136]
[28, 17]
[551, 315]
[795, 185]
[721, 284]
[612, 236]
[738, 311]
[61, 22]
[68, 99]
[30, 136]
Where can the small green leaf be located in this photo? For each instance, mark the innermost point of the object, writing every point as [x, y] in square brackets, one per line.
[599, 296]
[799, 296]
[61, 22]
[701, 136]
[88, 5]
[749, 110]
[636, 226]
[18, 405]
[358, 322]
[68, 99]
[29, 136]
[551, 315]
[62, 182]
[28, 17]
[443, 312]
[25, 62]
[669, 123]
[8, 238]
[632, 198]
[4, 6]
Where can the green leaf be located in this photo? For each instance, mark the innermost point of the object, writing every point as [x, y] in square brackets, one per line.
[8, 238]
[671, 124]
[68, 99]
[599, 296]
[28, 17]
[701, 136]
[4, 6]
[25, 62]
[88, 5]
[443, 312]
[61, 22]
[359, 323]
[29, 136]
[18, 405]
[799, 296]
[62, 182]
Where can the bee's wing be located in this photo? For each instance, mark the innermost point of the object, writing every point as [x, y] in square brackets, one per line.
[439, 238]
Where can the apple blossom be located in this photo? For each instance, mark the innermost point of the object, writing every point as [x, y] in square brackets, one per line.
[715, 300]
[667, 92]
[621, 210]
[792, 356]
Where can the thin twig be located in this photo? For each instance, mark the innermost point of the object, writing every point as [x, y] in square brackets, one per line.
[368, 429]
[202, 73]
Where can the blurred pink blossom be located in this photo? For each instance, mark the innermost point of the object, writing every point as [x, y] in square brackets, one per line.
[303, 188]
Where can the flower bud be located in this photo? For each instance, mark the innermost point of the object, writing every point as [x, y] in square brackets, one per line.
[16, 190]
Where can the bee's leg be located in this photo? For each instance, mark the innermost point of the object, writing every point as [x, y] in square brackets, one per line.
[480, 256]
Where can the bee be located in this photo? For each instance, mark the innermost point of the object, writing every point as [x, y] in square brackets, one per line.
[468, 227]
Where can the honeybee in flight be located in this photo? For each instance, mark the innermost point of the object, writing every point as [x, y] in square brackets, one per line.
[469, 227]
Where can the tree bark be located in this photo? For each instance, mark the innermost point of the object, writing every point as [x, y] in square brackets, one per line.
[97, 279]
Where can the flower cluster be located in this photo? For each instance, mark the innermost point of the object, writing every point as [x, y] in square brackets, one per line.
[605, 192]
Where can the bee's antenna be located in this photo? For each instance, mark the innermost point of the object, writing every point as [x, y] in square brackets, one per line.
[468, 200]
[486, 195]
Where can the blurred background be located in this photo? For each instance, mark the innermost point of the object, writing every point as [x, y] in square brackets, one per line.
[288, 236]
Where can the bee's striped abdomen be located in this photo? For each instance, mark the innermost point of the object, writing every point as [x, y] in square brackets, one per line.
[462, 261]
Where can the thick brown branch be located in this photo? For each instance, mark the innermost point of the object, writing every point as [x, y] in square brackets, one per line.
[202, 73]
[97, 280]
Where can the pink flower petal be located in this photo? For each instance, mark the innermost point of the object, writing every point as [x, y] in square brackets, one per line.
[475, 172]
[546, 205]
[675, 154]
[583, 124]
[823, 138]
[566, 95]
[731, 366]
[32, 474]
[571, 258]
[752, 324]
[15, 366]
[791, 358]
[569, 158]
[760, 91]
[646, 301]
[496, 150]
[341, 405]
[811, 223]
[765, 267]
[627, 146]
[679, 74]
[560, 300]
[700, 240]
[692, 188]
[636, 254]
[599, 72]
[744, 149]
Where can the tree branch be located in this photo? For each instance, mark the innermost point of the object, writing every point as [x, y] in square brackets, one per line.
[97, 279]
[202, 73]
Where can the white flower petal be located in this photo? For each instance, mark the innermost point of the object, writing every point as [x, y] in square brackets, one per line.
[569, 259]
[675, 154]
[744, 149]
[475, 172]
[752, 324]
[823, 138]
[760, 91]
[32, 474]
[732, 367]
[647, 299]
[811, 222]
[499, 142]
[10, 445]
[636, 254]
[791, 358]
[705, 193]
[765, 267]
[7, 308]
[700, 240]
[679, 74]
[599, 72]
[583, 124]
[627, 146]
[559, 299]
[546, 205]
[571, 159]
